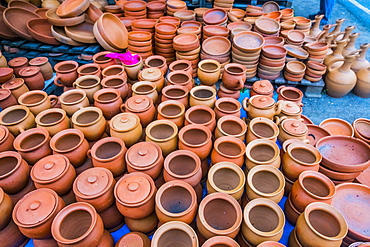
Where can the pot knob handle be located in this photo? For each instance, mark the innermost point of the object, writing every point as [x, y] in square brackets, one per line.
[34, 205]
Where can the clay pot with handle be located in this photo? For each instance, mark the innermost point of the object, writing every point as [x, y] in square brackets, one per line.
[66, 73]
[53, 120]
[261, 106]
[109, 101]
[17, 119]
[88, 83]
[37, 101]
[73, 100]
[234, 76]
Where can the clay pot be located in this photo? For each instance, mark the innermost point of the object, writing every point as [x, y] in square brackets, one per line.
[7, 98]
[134, 69]
[17, 64]
[231, 126]
[142, 106]
[220, 240]
[265, 181]
[6, 208]
[261, 106]
[154, 75]
[172, 110]
[32, 77]
[66, 73]
[103, 61]
[109, 101]
[182, 78]
[44, 65]
[127, 127]
[89, 84]
[117, 82]
[145, 88]
[227, 107]
[12, 236]
[133, 239]
[114, 70]
[321, 225]
[6, 139]
[290, 110]
[262, 152]
[226, 93]
[262, 128]
[16, 86]
[72, 144]
[17, 119]
[53, 120]
[174, 168]
[263, 221]
[95, 186]
[234, 76]
[158, 62]
[219, 214]
[135, 195]
[226, 177]
[144, 225]
[89, 69]
[202, 115]
[230, 149]
[209, 71]
[263, 87]
[292, 129]
[87, 230]
[35, 212]
[90, 121]
[37, 101]
[175, 233]
[163, 133]
[290, 94]
[202, 95]
[196, 138]
[176, 201]
[176, 92]
[73, 100]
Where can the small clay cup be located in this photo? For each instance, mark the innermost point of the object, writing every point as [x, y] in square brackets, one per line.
[53, 120]
[66, 73]
[73, 100]
[37, 101]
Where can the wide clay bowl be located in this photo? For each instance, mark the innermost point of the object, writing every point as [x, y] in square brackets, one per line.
[315, 133]
[22, 4]
[5, 32]
[214, 16]
[274, 51]
[81, 33]
[353, 201]
[215, 30]
[295, 67]
[72, 8]
[344, 154]
[248, 41]
[337, 126]
[134, 6]
[55, 20]
[239, 25]
[19, 25]
[113, 31]
[216, 45]
[362, 128]
[40, 29]
[60, 35]
[297, 52]
[267, 25]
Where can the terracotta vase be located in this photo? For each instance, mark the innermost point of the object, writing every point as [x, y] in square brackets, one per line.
[227, 107]
[234, 76]
[117, 82]
[361, 61]
[181, 78]
[164, 133]
[109, 101]
[263, 87]
[89, 84]
[6, 139]
[262, 152]
[231, 126]
[16, 86]
[134, 69]
[17, 119]
[7, 98]
[142, 106]
[290, 94]
[90, 121]
[336, 55]
[73, 100]
[226, 177]
[17, 64]
[53, 120]
[176, 201]
[145, 88]
[223, 92]
[103, 61]
[209, 72]
[135, 195]
[230, 149]
[38, 101]
[315, 28]
[262, 128]
[44, 65]
[6, 208]
[145, 225]
[66, 73]
[32, 77]
[350, 47]
[202, 115]
[133, 239]
[174, 233]
[176, 92]
[202, 95]
[12, 236]
[127, 127]
[362, 87]
[158, 62]
[196, 138]
[261, 106]
[154, 75]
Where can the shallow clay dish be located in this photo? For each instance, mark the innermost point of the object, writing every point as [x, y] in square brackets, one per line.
[248, 41]
[274, 51]
[214, 16]
[22, 4]
[101, 41]
[165, 28]
[113, 31]
[93, 12]
[41, 12]
[296, 36]
[215, 30]
[216, 45]
[134, 6]
[72, 8]
[364, 177]
[40, 29]
[267, 25]
[270, 6]
[55, 20]
[296, 52]
[353, 202]
[139, 36]
[362, 126]
[316, 133]
[337, 126]
[338, 176]
[81, 33]
[5, 32]
[295, 68]
[239, 25]
[60, 35]
[274, 41]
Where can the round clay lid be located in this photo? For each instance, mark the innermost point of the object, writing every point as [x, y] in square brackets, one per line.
[29, 71]
[93, 181]
[133, 189]
[35, 207]
[263, 87]
[138, 103]
[262, 101]
[38, 61]
[142, 154]
[151, 74]
[18, 61]
[125, 121]
[290, 107]
[14, 83]
[4, 93]
[49, 168]
[294, 126]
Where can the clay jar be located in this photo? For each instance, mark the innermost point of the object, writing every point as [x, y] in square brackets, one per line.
[90, 121]
[231, 126]
[73, 100]
[164, 134]
[290, 109]
[14, 173]
[66, 73]
[103, 61]
[226, 177]
[88, 83]
[53, 120]
[11, 236]
[172, 110]
[37, 101]
[33, 144]
[72, 144]
[202, 115]
[78, 224]
[44, 65]
[135, 195]
[290, 94]
[145, 157]
[181, 78]
[109, 101]
[234, 76]
[17, 64]
[133, 238]
[127, 127]
[133, 70]
[6, 98]
[265, 181]
[321, 225]
[196, 138]
[300, 157]
[183, 165]
[262, 128]
[209, 72]
[228, 148]
[6, 208]
[219, 214]
[175, 233]
[35, 212]
[263, 220]
[117, 82]
[202, 95]
[227, 107]
[158, 62]
[263, 87]
[223, 92]
[89, 69]
[17, 119]
[311, 187]
[32, 77]
[6, 139]
[142, 106]
[176, 92]
[262, 152]
[109, 153]
[176, 201]
[292, 129]
[145, 88]
[154, 75]
[261, 106]
[16, 86]
[95, 186]
[220, 240]
[184, 65]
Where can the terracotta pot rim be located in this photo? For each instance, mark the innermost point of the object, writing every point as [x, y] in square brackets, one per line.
[359, 120]
[317, 175]
[56, 67]
[113, 77]
[160, 122]
[28, 133]
[208, 88]
[180, 87]
[179, 62]
[179, 225]
[171, 102]
[222, 240]
[266, 142]
[308, 148]
[84, 110]
[229, 166]
[209, 61]
[31, 93]
[13, 154]
[88, 65]
[85, 77]
[140, 83]
[191, 127]
[264, 120]
[296, 90]
[106, 90]
[113, 67]
[14, 108]
[234, 119]
[169, 75]
[200, 107]
[228, 139]
[155, 57]
[99, 54]
[121, 115]
[63, 95]
[63, 133]
[175, 153]
[230, 100]
[270, 169]
[49, 111]
[104, 141]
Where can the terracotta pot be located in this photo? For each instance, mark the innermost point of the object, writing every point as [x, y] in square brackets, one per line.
[154, 75]
[219, 214]
[263, 87]
[73, 100]
[145, 225]
[226, 177]
[172, 110]
[44, 65]
[132, 239]
[202, 95]
[89, 69]
[7, 99]
[201, 115]
[231, 126]
[90, 121]
[290, 94]
[72, 144]
[157, 62]
[127, 127]
[103, 61]
[181, 78]
[6, 208]
[135, 195]
[134, 69]
[209, 71]
[174, 233]
[176, 201]
[33, 144]
[114, 70]
[227, 107]
[117, 82]
[262, 152]
[37, 101]
[176, 92]
[184, 65]
[226, 93]
[66, 73]
[174, 168]
[262, 128]
[35, 212]
[16, 86]
[87, 230]
[108, 101]
[321, 225]
[292, 129]
[53, 120]
[261, 106]
[145, 88]
[17, 64]
[290, 211]
[88, 83]
[220, 240]
[6, 139]
[12, 236]
[196, 138]
[230, 149]
[163, 133]
[263, 221]
[234, 76]
[142, 106]
[17, 119]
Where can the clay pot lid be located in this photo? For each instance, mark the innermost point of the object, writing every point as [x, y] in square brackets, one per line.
[294, 126]
[151, 74]
[38, 61]
[49, 168]
[296, 51]
[315, 133]
[296, 36]
[125, 121]
[270, 6]
[214, 16]
[290, 107]
[133, 189]
[4, 93]
[35, 207]
[262, 101]
[93, 181]
[142, 154]
[263, 87]
[17, 62]
[138, 103]
[29, 71]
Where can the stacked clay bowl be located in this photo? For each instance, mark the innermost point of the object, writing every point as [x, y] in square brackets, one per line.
[295, 52]
[287, 25]
[185, 15]
[317, 50]
[190, 29]
[236, 15]
[127, 21]
[226, 4]
[135, 9]
[246, 50]
[287, 14]
[239, 27]
[155, 9]
[294, 71]
[253, 12]
[276, 15]
[215, 17]
[361, 127]
[274, 41]
[216, 48]
[267, 27]
[199, 13]
[146, 25]
[303, 25]
[174, 6]
[114, 9]
[215, 30]
[272, 62]
[164, 34]
[314, 71]
[187, 47]
[140, 42]
[40, 30]
[295, 37]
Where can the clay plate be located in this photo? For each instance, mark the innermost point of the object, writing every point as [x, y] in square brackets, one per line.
[60, 35]
[296, 52]
[239, 25]
[216, 46]
[306, 120]
[55, 20]
[274, 41]
[315, 133]
[296, 36]
[215, 30]
[336, 126]
[248, 41]
[267, 25]
[5, 32]
[81, 33]
[72, 8]
[338, 176]
[214, 16]
[40, 29]
[113, 31]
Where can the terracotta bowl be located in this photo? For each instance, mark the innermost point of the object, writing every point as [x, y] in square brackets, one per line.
[267, 25]
[81, 33]
[317, 46]
[215, 30]
[93, 12]
[239, 25]
[144, 23]
[248, 41]
[134, 6]
[165, 28]
[361, 127]
[274, 51]
[296, 36]
[338, 176]
[41, 12]
[114, 9]
[55, 20]
[185, 40]
[337, 126]
[214, 16]
[296, 52]
[40, 30]
[113, 31]
[238, 13]
[139, 36]
[276, 15]
[316, 66]
[185, 15]
[156, 5]
[22, 4]
[60, 35]
[5, 32]
[295, 68]
[216, 45]
[270, 6]
[72, 8]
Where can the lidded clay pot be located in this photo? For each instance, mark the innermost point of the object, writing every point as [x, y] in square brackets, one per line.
[290, 109]
[176, 92]
[127, 127]
[196, 138]
[89, 84]
[154, 75]
[54, 172]
[53, 120]
[135, 195]
[176, 201]
[158, 62]
[172, 110]
[44, 65]
[263, 87]
[262, 128]
[17, 64]
[145, 157]
[175, 233]
[6, 139]
[17, 119]
[231, 126]
[11, 236]
[143, 107]
[35, 212]
[227, 107]
[228, 148]
[261, 106]
[108, 100]
[16, 86]
[262, 152]
[117, 82]
[6, 208]
[95, 186]
[7, 98]
[292, 129]
[164, 133]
